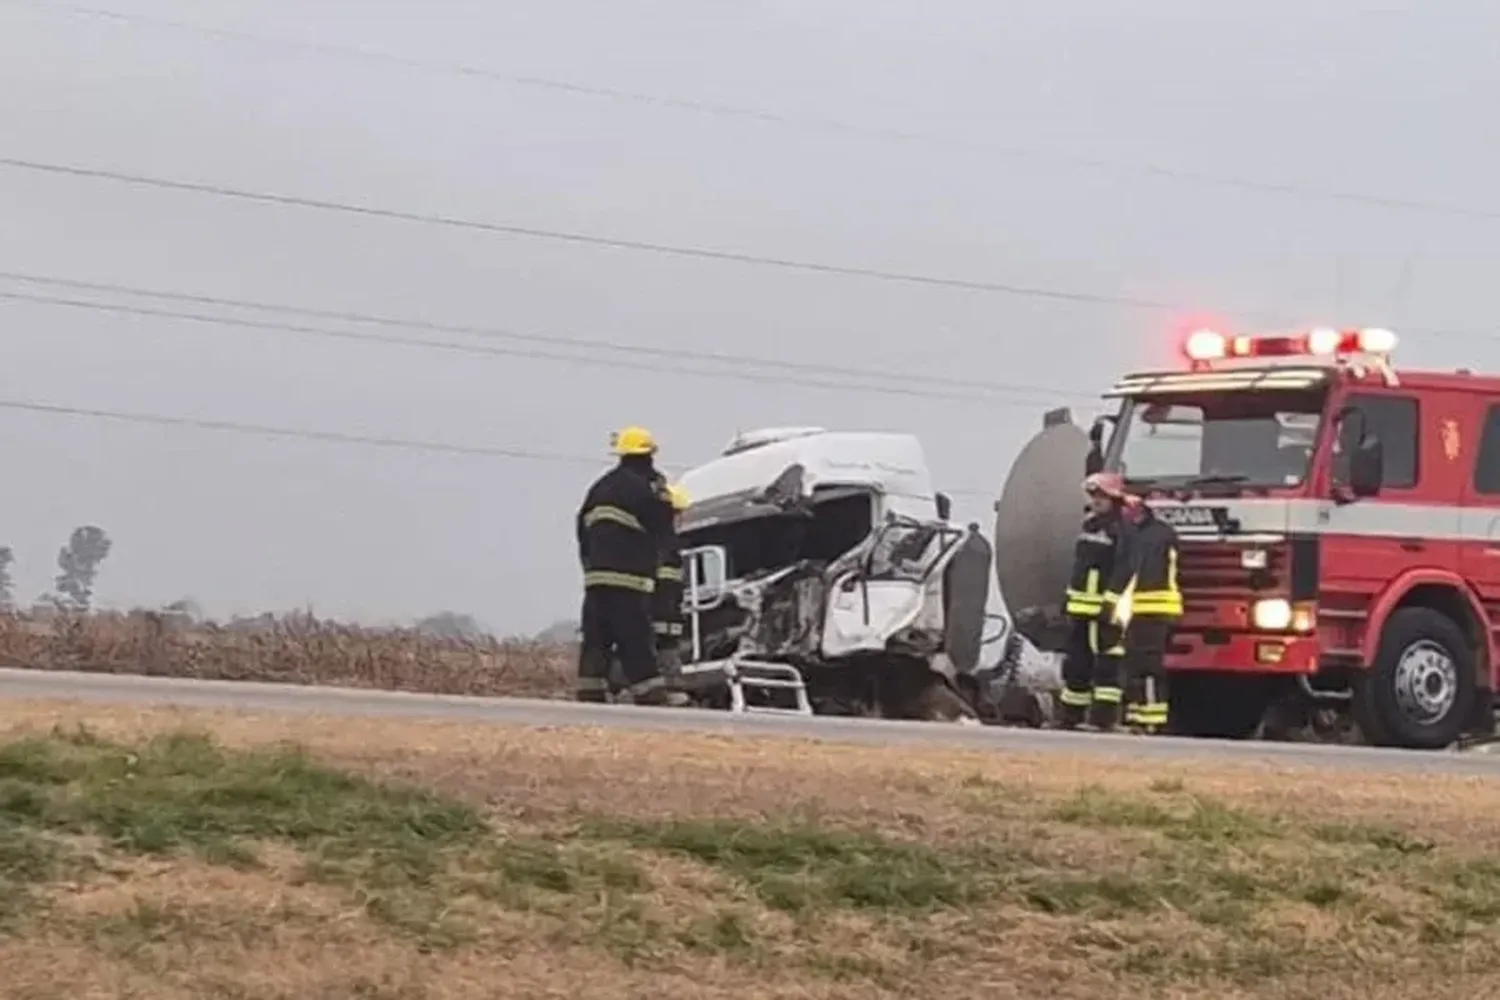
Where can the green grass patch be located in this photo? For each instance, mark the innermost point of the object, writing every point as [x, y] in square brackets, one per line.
[1183, 817]
[797, 867]
[184, 793]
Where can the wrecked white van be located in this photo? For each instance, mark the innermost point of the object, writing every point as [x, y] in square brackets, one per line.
[823, 576]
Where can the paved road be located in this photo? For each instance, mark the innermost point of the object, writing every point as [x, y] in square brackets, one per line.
[129, 690]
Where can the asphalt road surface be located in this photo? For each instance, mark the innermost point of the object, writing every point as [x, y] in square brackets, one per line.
[121, 689]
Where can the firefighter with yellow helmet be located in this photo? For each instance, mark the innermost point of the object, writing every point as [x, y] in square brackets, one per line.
[621, 525]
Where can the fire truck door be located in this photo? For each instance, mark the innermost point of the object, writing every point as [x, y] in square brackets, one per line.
[1413, 524]
[1481, 508]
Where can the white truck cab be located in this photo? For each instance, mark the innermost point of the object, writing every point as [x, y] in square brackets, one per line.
[823, 562]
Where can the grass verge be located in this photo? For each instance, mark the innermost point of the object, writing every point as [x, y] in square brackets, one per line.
[194, 855]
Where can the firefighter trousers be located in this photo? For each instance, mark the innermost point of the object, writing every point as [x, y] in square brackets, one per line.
[1091, 674]
[1145, 672]
[617, 629]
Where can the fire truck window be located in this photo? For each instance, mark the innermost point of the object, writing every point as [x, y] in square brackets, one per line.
[1264, 438]
[1487, 462]
[1395, 420]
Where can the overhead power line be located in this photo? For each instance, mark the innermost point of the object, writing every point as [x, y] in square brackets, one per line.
[339, 438]
[764, 116]
[906, 381]
[999, 398]
[589, 239]
[266, 430]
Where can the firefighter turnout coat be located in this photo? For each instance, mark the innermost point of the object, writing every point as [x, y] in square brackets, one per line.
[1143, 583]
[666, 602]
[1093, 564]
[621, 526]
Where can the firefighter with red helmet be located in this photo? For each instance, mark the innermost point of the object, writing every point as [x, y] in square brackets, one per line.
[1091, 664]
[1145, 600]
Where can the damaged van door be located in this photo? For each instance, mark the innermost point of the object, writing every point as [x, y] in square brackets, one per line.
[886, 594]
[887, 626]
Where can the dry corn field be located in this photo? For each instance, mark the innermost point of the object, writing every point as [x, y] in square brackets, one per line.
[288, 653]
[182, 855]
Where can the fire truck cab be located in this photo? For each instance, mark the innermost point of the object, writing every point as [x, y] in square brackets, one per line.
[1340, 534]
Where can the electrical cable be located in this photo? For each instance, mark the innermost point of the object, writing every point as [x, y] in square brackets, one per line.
[334, 437]
[589, 239]
[947, 395]
[485, 332]
[1100, 164]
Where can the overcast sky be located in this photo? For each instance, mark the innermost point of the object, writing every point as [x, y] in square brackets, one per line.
[1335, 97]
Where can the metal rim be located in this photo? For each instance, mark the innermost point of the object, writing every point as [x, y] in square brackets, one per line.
[1426, 681]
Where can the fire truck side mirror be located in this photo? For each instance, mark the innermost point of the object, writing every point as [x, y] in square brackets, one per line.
[1359, 459]
[1368, 467]
[1094, 461]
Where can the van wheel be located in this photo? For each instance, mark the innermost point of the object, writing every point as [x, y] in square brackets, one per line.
[1419, 693]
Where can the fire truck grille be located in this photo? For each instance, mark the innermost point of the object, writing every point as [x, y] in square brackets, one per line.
[1209, 572]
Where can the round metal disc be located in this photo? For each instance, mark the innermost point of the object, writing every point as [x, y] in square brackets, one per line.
[1037, 520]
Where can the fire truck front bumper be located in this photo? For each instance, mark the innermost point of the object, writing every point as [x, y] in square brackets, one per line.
[1242, 652]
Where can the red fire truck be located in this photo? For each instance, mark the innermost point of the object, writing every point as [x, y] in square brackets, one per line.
[1340, 534]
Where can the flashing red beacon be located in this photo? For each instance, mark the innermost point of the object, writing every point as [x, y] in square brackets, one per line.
[1205, 346]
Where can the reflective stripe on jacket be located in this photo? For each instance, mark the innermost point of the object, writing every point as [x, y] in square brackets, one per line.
[1146, 569]
[1093, 561]
[620, 527]
[666, 605]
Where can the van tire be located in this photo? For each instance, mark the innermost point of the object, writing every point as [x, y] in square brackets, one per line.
[1419, 693]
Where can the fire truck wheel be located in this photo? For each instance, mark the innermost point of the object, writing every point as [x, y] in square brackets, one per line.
[1420, 691]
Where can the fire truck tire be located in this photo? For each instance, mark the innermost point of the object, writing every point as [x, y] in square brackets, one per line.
[1420, 691]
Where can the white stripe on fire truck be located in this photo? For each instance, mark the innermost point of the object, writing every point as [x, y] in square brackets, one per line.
[1364, 518]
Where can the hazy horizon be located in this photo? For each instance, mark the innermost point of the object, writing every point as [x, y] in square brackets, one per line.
[1109, 115]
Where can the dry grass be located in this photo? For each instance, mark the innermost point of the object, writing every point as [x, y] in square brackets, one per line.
[609, 865]
[288, 653]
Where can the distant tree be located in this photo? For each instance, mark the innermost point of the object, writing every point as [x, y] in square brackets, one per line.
[184, 611]
[78, 565]
[451, 625]
[562, 631]
[7, 582]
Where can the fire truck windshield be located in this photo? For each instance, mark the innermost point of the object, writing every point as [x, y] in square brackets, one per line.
[1228, 439]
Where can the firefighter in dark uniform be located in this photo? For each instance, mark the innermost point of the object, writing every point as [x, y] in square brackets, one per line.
[1091, 665]
[1146, 601]
[621, 525]
[667, 618]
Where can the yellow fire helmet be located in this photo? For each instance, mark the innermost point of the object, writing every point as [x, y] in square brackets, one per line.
[633, 441]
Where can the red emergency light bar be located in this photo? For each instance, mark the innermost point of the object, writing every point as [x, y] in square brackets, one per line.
[1204, 346]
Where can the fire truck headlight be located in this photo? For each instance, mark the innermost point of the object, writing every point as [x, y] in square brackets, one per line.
[1273, 614]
